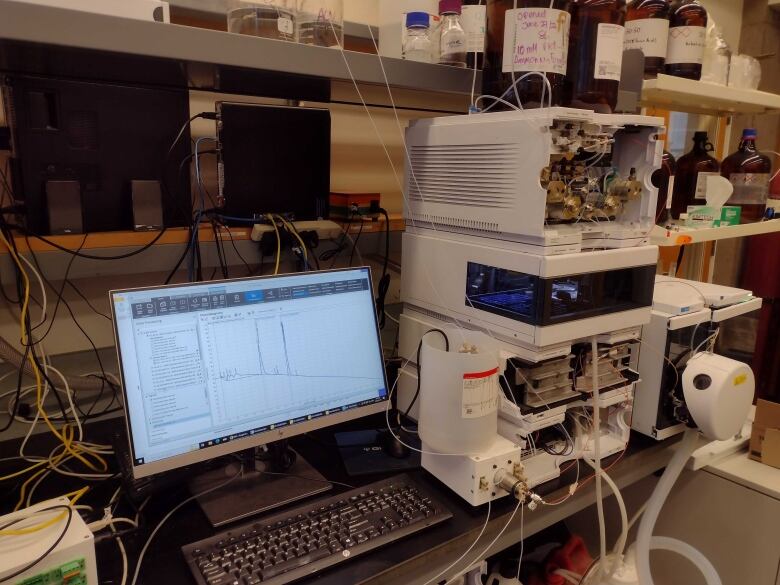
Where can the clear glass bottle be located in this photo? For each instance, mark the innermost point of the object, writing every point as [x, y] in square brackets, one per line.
[272, 19]
[474, 21]
[647, 29]
[663, 179]
[418, 45]
[539, 43]
[593, 72]
[453, 37]
[690, 181]
[687, 35]
[321, 22]
[749, 171]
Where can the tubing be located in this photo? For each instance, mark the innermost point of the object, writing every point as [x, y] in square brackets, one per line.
[656, 502]
[596, 430]
[620, 545]
[692, 554]
[9, 354]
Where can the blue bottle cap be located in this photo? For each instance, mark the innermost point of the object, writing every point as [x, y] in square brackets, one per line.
[418, 19]
[749, 133]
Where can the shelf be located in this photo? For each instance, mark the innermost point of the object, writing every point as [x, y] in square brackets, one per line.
[665, 237]
[49, 41]
[687, 95]
[124, 239]
[397, 224]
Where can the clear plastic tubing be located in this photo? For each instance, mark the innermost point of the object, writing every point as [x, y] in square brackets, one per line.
[645, 540]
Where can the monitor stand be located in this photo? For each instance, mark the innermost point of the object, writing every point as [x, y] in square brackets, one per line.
[255, 491]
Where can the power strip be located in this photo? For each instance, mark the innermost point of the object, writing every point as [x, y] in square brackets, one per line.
[326, 229]
[72, 562]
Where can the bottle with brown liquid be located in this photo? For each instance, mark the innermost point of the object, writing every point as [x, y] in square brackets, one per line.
[647, 29]
[693, 168]
[593, 72]
[749, 171]
[687, 33]
[474, 20]
[663, 179]
[525, 36]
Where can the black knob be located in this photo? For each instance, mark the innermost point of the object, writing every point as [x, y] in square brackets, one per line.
[702, 382]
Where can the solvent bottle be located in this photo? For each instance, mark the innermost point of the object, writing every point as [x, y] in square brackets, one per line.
[693, 168]
[687, 34]
[748, 171]
[647, 29]
[453, 37]
[525, 36]
[594, 67]
[474, 19]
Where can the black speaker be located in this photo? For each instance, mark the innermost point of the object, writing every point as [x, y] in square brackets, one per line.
[103, 137]
[63, 206]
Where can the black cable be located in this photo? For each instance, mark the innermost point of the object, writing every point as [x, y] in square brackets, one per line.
[419, 365]
[87, 301]
[48, 551]
[357, 239]
[340, 245]
[19, 379]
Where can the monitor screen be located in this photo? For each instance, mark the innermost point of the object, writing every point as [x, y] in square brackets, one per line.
[213, 368]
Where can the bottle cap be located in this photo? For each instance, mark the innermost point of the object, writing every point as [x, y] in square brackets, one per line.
[418, 19]
[749, 133]
[455, 6]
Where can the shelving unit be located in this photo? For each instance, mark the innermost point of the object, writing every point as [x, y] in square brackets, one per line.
[700, 97]
[59, 42]
[685, 236]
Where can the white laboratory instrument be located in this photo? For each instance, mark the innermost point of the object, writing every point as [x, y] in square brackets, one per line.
[71, 561]
[685, 314]
[554, 180]
[500, 209]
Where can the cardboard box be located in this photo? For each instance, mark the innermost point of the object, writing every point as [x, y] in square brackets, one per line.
[765, 439]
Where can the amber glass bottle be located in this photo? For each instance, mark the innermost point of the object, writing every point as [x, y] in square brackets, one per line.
[524, 36]
[663, 178]
[593, 73]
[749, 171]
[690, 182]
[647, 29]
[687, 33]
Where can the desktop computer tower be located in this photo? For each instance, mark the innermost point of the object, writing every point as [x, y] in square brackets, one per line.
[78, 149]
[274, 159]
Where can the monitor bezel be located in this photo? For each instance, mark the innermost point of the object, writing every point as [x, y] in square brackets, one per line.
[259, 439]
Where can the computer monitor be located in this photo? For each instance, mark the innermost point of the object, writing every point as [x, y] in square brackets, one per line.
[210, 369]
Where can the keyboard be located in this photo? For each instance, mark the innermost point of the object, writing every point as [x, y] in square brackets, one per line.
[306, 539]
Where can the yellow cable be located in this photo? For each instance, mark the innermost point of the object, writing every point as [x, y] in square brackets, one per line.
[34, 366]
[278, 244]
[74, 497]
[23, 471]
[294, 232]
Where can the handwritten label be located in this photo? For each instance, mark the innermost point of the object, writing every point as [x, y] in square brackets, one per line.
[686, 44]
[536, 39]
[609, 52]
[749, 188]
[474, 20]
[649, 35]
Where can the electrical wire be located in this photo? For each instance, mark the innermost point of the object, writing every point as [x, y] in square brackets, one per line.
[47, 552]
[160, 524]
[419, 365]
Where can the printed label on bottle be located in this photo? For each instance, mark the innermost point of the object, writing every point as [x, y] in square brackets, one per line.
[609, 52]
[686, 45]
[480, 393]
[670, 192]
[648, 35]
[474, 21]
[701, 184]
[536, 39]
[749, 188]
[285, 26]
